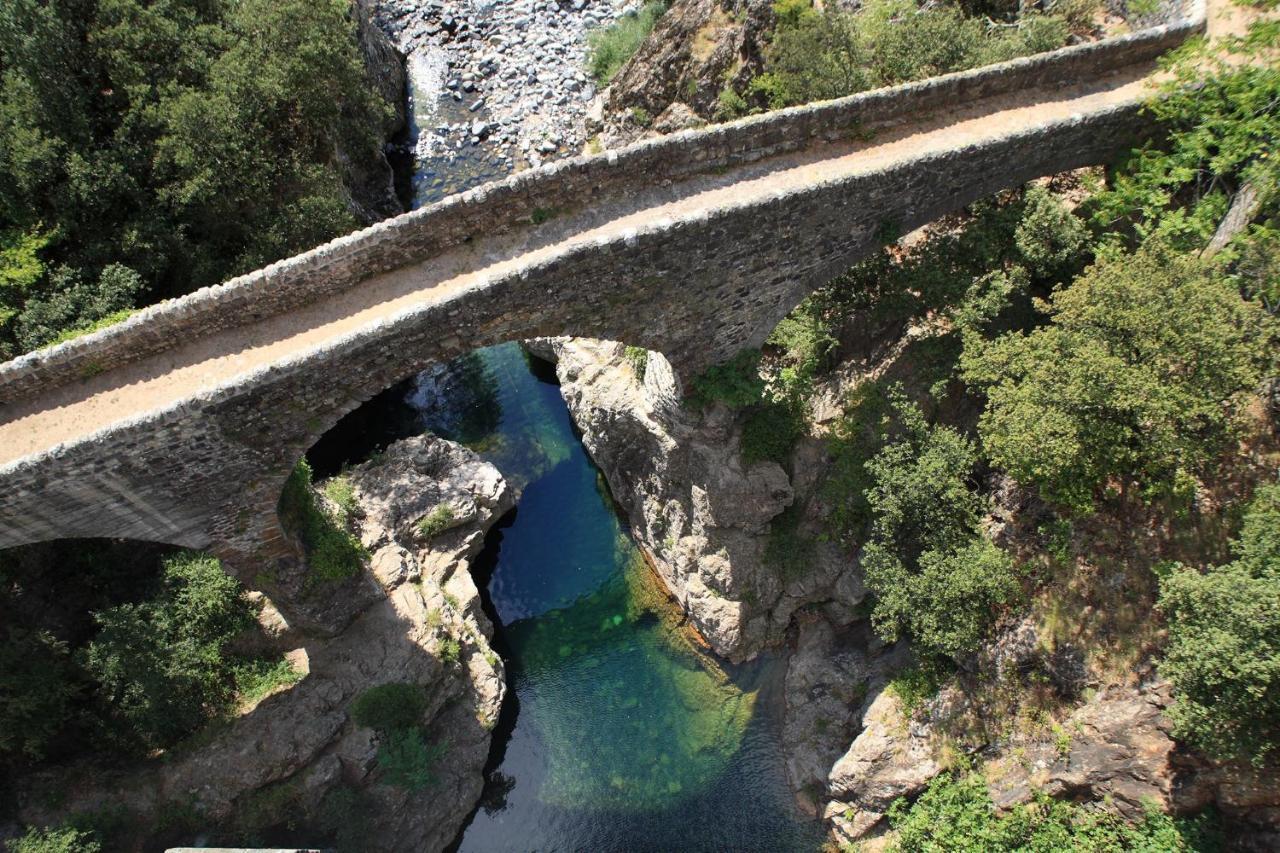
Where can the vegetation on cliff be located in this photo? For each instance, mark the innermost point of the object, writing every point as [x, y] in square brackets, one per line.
[956, 813]
[148, 149]
[821, 53]
[129, 653]
[1044, 374]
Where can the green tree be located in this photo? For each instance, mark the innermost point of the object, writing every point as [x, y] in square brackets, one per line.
[163, 665]
[1218, 108]
[1140, 376]
[37, 689]
[166, 145]
[817, 56]
[934, 575]
[1223, 657]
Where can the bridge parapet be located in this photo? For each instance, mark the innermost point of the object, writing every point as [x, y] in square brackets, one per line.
[564, 185]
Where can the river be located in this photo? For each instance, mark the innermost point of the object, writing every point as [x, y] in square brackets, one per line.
[619, 731]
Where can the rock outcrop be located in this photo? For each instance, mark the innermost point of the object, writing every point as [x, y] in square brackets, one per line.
[701, 514]
[287, 756]
[697, 49]
[368, 175]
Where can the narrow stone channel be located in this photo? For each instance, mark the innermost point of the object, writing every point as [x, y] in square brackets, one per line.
[622, 733]
[619, 732]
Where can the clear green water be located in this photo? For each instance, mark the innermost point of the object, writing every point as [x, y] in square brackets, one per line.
[627, 736]
[619, 732]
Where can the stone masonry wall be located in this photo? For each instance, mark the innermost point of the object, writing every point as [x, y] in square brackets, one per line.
[208, 472]
[564, 185]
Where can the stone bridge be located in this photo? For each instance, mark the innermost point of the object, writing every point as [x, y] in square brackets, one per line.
[181, 424]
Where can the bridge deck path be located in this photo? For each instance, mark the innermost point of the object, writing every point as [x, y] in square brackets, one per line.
[72, 412]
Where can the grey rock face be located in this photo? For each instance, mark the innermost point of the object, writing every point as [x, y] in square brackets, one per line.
[701, 514]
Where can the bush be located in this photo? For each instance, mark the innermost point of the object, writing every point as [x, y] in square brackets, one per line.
[817, 56]
[770, 432]
[1141, 375]
[258, 678]
[437, 521]
[638, 358]
[37, 692]
[955, 813]
[389, 707]
[162, 666]
[1223, 658]
[609, 49]
[408, 761]
[343, 494]
[333, 553]
[54, 841]
[736, 383]
[933, 574]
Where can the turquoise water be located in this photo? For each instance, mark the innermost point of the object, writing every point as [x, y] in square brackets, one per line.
[619, 732]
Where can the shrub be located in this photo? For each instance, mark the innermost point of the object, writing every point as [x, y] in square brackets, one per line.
[736, 383]
[37, 689]
[770, 431]
[1141, 375]
[343, 494]
[437, 521]
[389, 707]
[817, 56]
[1223, 658]
[450, 651]
[609, 49]
[163, 665]
[262, 677]
[933, 574]
[407, 760]
[64, 840]
[955, 813]
[333, 553]
[638, 358]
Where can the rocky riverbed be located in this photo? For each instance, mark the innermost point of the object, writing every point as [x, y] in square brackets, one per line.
[497, 85]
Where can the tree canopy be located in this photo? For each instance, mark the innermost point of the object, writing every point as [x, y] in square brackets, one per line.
[148, 148]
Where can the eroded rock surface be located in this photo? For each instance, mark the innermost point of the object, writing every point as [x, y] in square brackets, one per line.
[697, 49]
[702, 515]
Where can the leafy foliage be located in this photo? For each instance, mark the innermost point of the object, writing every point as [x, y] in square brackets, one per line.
[610, 48]
[1141, 375]
[37, 691]
[817, 56]
[933, 574]
[955, 813]
[395, 710]
[1223, 657]
[437, 521]
[334, 553]
[60, 840]
[162, 665]
[1219, 107]
[389, 707]
[408, 761]
[260, 677]
[150, 148]
[736, 383]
